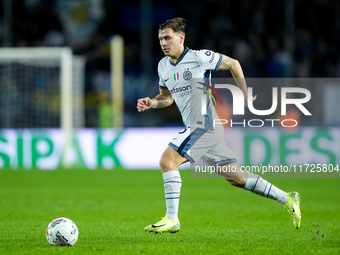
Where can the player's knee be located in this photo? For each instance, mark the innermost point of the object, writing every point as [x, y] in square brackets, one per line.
[170, 160]
[166, 164]
[237, 182]
[162, 164]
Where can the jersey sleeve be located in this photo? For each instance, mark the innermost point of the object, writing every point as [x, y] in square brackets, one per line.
[209, 60]
[161, 83]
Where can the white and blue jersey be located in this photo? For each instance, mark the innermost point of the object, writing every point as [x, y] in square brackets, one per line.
[200, 139]
[192, 64]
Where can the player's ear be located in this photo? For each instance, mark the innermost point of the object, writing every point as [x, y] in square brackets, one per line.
[182, 37]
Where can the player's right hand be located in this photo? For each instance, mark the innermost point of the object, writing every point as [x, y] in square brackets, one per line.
[144, 104]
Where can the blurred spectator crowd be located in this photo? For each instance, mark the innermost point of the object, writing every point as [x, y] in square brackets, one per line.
[252, 31]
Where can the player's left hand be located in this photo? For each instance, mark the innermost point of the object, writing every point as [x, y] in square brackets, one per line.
[246, 100]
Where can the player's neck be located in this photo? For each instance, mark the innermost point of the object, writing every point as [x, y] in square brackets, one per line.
[177, 56]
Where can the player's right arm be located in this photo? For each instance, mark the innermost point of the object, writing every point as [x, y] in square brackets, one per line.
[163, 99]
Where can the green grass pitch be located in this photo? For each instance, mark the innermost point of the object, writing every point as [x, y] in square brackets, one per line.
[111, 209]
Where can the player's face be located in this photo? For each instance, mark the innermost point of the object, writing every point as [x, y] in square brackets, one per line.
[171, 42]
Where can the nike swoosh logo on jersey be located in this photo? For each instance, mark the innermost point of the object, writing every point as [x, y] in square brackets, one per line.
[158, 226]
[166, 80]
[293, 209]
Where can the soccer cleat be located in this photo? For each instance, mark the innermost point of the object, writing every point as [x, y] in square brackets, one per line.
[293, 207]
[164, 225]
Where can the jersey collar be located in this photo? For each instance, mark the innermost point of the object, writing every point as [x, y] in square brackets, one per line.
[186, 49]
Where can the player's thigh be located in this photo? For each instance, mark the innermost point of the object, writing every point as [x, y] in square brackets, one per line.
[219, 155]
[226, 164]
[202, 141]
[171, 159]
[181, 143]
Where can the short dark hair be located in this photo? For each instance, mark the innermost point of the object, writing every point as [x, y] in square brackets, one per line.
[176, 24]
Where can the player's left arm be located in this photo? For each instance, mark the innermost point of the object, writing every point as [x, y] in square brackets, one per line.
[228, 63]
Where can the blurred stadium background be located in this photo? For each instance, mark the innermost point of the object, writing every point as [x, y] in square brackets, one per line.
[272, 39]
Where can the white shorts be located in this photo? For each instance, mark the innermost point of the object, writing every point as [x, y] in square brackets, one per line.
[203, 144]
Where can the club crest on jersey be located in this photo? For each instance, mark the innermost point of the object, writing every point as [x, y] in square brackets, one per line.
[187, 75]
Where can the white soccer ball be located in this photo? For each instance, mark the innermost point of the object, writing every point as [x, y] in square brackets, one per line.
[62, 232]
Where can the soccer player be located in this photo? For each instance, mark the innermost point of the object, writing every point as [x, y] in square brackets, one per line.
[200, 139]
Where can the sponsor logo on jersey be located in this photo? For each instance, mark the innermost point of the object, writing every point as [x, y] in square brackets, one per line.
[212, 58]
[208, 53]
[180, 89]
